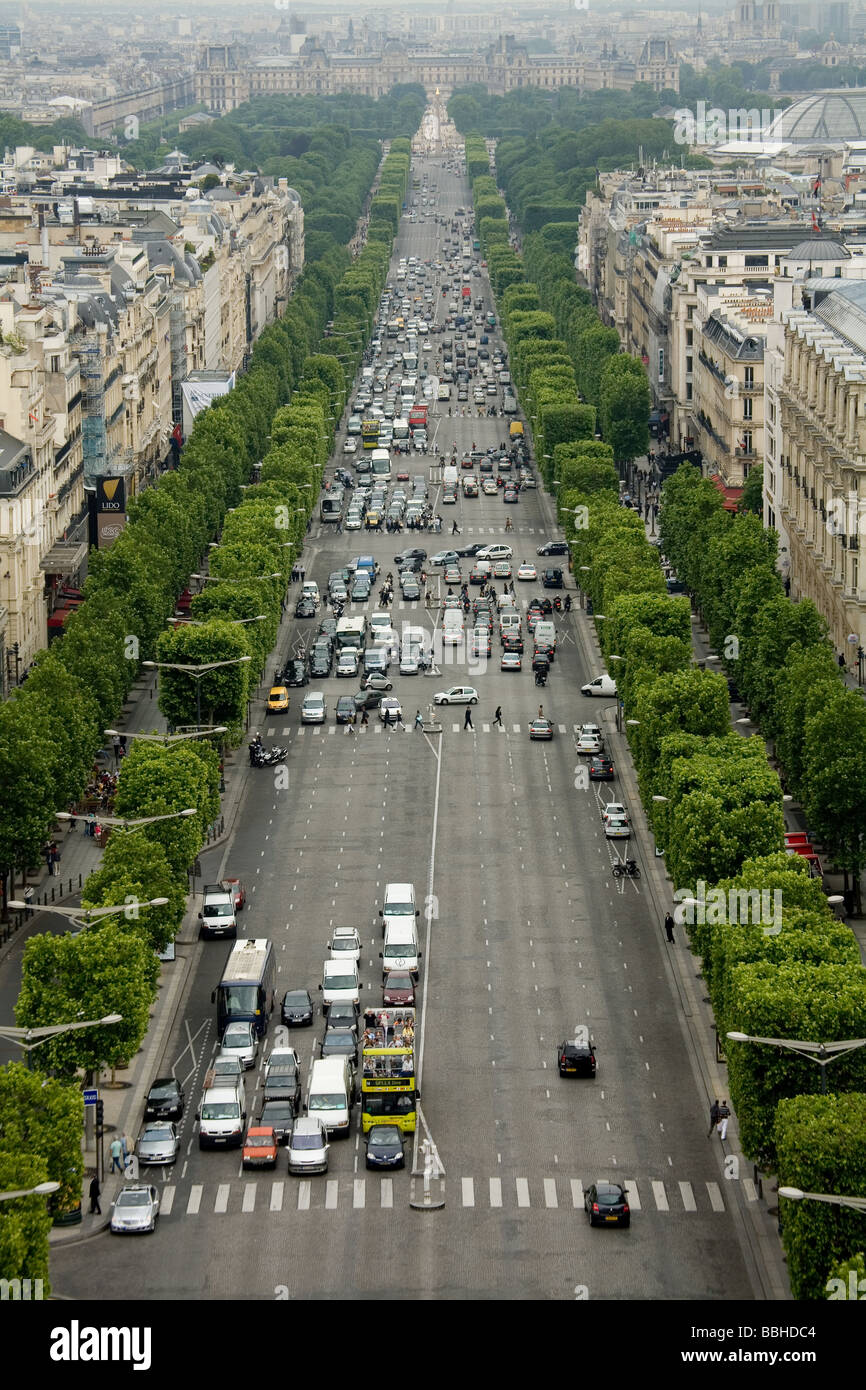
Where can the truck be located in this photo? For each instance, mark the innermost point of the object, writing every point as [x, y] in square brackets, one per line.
[449, 476]
[418, 417]
[217, 914]
[466, 292]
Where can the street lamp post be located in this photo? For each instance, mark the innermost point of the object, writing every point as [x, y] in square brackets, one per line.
[131, 824]
[204, 732]
[42, 1189]
[197, 672]
[796, 1194]
[820, 1053]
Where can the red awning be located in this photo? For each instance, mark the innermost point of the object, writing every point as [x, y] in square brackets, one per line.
[731, 495]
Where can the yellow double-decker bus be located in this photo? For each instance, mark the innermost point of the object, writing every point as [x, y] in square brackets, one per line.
[370, 433]
[388, 1091]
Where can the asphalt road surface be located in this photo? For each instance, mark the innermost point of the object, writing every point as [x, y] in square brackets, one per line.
[525, 935]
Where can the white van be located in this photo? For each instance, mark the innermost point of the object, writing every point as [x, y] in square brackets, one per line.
[545, 632]
[400, 949]
[380, 463]
[332, 1087]
[509, 622]
[222, 1118]
[452, 627]
[399, 904]
[340, 984]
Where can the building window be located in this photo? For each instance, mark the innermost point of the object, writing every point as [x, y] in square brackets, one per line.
[723, 262]
[757, 262]
[688, 390]
[747, 441]
[749, 381]
[747, 408]
[690, 334]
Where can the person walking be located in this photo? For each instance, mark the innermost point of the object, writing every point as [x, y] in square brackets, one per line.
[116, 1151]
[669, 926]
[467, 722]
[95, 1189]
[715, 1110]
[54, 854]
[541, 711]
[724, 1116]
[419, 722]
[497, 718]
[365, 718]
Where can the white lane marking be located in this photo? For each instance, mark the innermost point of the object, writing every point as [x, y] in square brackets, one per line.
[387, 1192]
[715, 1196]
[192, 1206]
[576, 1192]
[496, 1192]
[222, 1197]
[304, 1195]
[332, 1190]
[633, 1195]
[249, 1203]
[688, 1196]
[166, 1199]
[468, 1191]
[277, 1196]
[550, 1197]
[750, 1190]
[359, 1188]
[522, 1192]
[661, 1197]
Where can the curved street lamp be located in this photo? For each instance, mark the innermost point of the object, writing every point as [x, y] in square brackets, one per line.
[42, 1189]
[819, 1052]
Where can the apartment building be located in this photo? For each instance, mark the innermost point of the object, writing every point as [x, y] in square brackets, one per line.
[728, 400]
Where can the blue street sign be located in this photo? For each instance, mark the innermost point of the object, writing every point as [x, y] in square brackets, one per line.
[91, 1097]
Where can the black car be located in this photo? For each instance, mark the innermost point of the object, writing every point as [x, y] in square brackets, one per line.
[293, 673]
[342, 1016]
[601, 769]
[551, 579]
[320, 663]
[467, 551]
[283, 1083]
[328, 628]
[385, 1147]
[278, 1115]
[368, 699]
[541, 662]
[340, 1042]
[305, 608]
[297, 1008]
[346, 712]
[575, 1058]
[553, 548]
[410, 564]
[512, 642]
[607, 1204]
[164, 1100]
[414, 553]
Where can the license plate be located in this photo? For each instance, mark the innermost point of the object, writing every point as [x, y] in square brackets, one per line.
[571, 1068]
[611, 1218]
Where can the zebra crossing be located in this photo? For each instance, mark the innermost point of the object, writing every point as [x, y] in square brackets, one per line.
[376, 727]
[507, 1194]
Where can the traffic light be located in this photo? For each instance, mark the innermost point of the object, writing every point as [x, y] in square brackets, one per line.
[100, 1111]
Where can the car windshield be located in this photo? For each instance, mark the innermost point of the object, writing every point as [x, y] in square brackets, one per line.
[219, 910]
[383, 1136]
[133, 1199]
[343, 943]
[165, 1090]
[278, 1110]
[306, 1141]
[321, 1101]
[609, 1199]
[399, 909]
[157, 1133]
[340, 982]
[236, 1040]
[220, 1110]
[296, 999]
[259, 1141]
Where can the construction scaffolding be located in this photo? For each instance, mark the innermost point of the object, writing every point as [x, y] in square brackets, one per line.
[88, 348]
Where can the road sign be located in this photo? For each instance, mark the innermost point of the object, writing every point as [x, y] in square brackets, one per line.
[91, 1097]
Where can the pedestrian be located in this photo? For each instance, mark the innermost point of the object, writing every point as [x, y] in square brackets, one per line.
[497, 718]
[116, 1151]
[541, 711]
[365, 718]
[724, 1116]
[387, 720]
[55, 859]
[715, 1110]
[124, 1144]
[669, 926]
[95, 1189]
[841, 661]
[400, 721]
[467, 722]
[419, 722]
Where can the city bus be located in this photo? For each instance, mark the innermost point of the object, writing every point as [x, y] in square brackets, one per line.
[388, 1092]
[245, 994]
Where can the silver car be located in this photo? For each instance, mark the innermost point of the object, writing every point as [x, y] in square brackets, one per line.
[158, 1143]
[240, 1040]
[134, 1211]
[308, 1147]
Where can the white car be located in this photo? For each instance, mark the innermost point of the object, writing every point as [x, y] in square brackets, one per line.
[602, 685]
[313, 710]
[345, 944]
[134, 1210]
[282, 1059]
[457, 695]
[494, 552]
[240, 1040]
[617, 828]
[347, 664]
[350, 446]
[410, 661]
[593, 729]
[354, 521]
[392, 708]
[588, 745]
[527, 571]
[614, 810]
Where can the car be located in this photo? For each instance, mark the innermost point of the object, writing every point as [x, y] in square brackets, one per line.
[479, 642]
[377, 680]
[512, 641]
[345, 944]
[443, 558]
[347, 665]
[588, 745]
[385, 1147]
[552, 548]
[541, 729]
[278, 1115]
[606, 1203]
[502, 569]
[527, 480]
[593, 729]
[260, 1147]
[314, 709]
[398, 988]
[449, 495]
[551, 579]
[488, 485]
[511, 495]
[373, 520]
[614, 808]
[354, 519]
[453, 575]
[479, 573]
[511, 661]
[237, 890]
[601, 769]
[390, 710]
[134, 1211]
[308, 1147]
[367, 699]
[327, 628]
[360, 590]
[346, 711]
[494, 552]
[414, 553]
[305, 607]
[164, 1100]
[602, 685]
[242, 1041]
[296, 1010]
[457, 695]
[278, 699]
[350, 446]
[294, 673]
[410, 661]
[340, 1042]
[575, 1057]
[320, 667]
[616, 828]
[527, 571]
[283, 1081]
[158, 1143]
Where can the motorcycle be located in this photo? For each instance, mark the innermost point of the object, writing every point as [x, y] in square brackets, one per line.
[557, 604]
[627, 869]
[568, 603]
[266, 757]
[540, 678]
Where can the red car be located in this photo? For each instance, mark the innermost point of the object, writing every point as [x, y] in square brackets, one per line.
[398, 988]
[237, 890]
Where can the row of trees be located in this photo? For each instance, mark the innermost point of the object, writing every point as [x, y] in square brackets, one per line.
[283, 412]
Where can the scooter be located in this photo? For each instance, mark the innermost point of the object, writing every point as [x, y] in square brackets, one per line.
[557, 604]
[540, 678]
[628, 869]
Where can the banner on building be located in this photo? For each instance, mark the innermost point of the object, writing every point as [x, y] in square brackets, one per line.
[199, 391]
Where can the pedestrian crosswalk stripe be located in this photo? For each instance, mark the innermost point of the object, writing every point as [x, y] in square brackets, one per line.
[277, 1196]
[750, 1190]
[332, 1190]
[166, 1199]
[287, 729]
[632, 1193]
[194, 1202]
[222, 1197]
[468, 1187]
[486, 728]
[661, 1196]
[516, 728]
[358, 1194]
[688, 1196]
[332, 728]
[301, 731]
[715, 1196]
[550, 1198]
[249, 1196]
[576, 1192]
[455, 728]
[270, 732]
[496, 1192]
[304, 1189]
[561, 728]
[522, 1192]
[387, 1192]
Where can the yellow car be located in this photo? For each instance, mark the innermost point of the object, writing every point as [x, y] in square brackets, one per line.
[278, 700]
